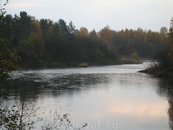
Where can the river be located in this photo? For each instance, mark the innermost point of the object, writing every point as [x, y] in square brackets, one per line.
[105, 97]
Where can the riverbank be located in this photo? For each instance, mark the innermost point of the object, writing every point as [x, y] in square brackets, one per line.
[157, 71]
[124, 60]
[88, 92]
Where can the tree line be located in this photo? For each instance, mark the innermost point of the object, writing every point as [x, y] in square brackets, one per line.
[45, 42]
[164, 66]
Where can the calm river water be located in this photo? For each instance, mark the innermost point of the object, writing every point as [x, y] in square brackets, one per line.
[105, 97]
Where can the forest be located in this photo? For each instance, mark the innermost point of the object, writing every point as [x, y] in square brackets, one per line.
[47, 43]
[28, 42]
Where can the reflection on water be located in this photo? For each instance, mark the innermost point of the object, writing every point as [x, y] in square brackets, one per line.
[168, 91]
[115, 95]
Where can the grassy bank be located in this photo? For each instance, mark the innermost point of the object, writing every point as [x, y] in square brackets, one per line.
[157, 70]
[54, 64]
[126, 60]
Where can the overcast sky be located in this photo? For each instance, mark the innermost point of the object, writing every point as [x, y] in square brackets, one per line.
[96, 14]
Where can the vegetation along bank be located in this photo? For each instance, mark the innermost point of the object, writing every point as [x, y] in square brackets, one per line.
[47, 43]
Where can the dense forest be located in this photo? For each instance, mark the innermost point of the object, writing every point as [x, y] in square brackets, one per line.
[47, 43]
[164, 66]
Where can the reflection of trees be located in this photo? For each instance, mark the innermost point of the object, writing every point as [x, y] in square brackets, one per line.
[170, 112]
[70, 85]
[162, 89]
[17, 86]
[165, 89]
[24, 113]
[56, 86]
[170, 101]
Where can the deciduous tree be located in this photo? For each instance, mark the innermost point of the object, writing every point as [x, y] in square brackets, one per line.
[106, 35]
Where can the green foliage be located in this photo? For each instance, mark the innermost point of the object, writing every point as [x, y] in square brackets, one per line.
[164, 66]
[8, 57]
[8, 62]
[8, 118]
[134, 55]
[100, 57]
[170, 54]
[45, 42]
[22, 116]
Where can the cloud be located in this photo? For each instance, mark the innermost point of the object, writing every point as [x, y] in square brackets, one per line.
[119, 14]
[18, 4]
[149, 109]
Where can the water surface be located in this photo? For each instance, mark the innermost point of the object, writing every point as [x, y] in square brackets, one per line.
[106, 97]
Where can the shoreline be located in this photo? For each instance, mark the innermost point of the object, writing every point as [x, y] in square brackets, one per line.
[82, 64]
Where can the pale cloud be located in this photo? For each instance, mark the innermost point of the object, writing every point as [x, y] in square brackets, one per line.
[30, 3]
[142, 110]
[137, 109]
[95, 14]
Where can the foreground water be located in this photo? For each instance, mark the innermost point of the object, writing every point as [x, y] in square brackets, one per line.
[106, 97]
